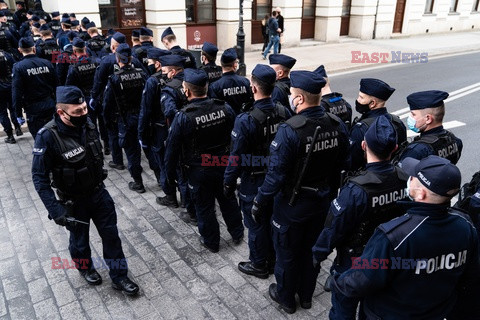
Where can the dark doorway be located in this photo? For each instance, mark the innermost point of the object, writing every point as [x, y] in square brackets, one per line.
[345, 18]
[399, 13]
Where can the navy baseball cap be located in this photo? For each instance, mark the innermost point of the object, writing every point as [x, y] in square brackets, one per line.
[146, 32]
[282, 59]
[89, 25]
[156, 53]
[307, 81]
[229, 55]
[75, 23]
[55, 14]
[426, 99]
[167, 32]
[26, 42]
[321, 71]
[136, 33]
[78, 43]
[124, 50]
[69, 95]
[119, 37]
[435, 173]
[210, 49]
[264, 73]
[381, 136]
[197, 77]
[173, 60]
[376, 88]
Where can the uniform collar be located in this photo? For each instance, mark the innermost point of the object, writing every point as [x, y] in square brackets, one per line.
[198, 100]
[286, 80]
[379, 167]
[179, 76]
[375, 113]
[263, 104]
[425, 209]
[29, 56]
[331, 95]
[317, 111]
[147, 44]
[433, 131]
[229, 73]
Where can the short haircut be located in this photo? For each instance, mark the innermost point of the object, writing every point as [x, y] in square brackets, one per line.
[46, 33]
[438, 113]
[197, 91]
[176, 68]
[263, 87]
[145, 38]
[310, 98]
[384, 156]
[228, 64]
[92, 30]
[209, 57]
[170, 38]
[79, 50]
[26, 50]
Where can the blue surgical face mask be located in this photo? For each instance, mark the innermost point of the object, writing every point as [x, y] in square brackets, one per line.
[292, 106]
[411, 123]
[408, 188]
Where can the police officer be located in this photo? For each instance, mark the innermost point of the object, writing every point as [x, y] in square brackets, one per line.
[96, 43]
[146, 40]
[208, 57]
[370, 103]
[65, 27]
[47, 48]
[201, 128]
[83, 34]
[231, 88]
[135, 38]
[427, 110]
[152, 126]
[333, 102]
[169, 40]
[122, 105]
[366, 201]
[55, 23]
[21, 12]
[8, 42]
[11, 18]
[6, 65]
[299, 178]
[251, 137]
[37, 73]
[173, 99]
[68, 149]
[282, 64]
[425, 268]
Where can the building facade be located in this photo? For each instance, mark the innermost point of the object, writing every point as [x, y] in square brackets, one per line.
[196, 21]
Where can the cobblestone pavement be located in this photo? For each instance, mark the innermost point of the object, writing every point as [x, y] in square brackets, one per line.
[179, 279]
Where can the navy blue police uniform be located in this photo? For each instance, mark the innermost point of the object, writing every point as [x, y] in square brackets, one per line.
[231, 88]
[55, 24]
[37, 73]
[381, 90]
[141, 52]
[213, 71]
[6, 65]
[298, 220]
[251, 136]
[152, 126]
[409, 269]
[190, 61]
[72, 156]
[435, 141]
[202, 128]
[96, 44]
[47, 48]
[281, 92]
[333, 102]
[172, 100]
[121, 106]
[367, 200]
[7, 41]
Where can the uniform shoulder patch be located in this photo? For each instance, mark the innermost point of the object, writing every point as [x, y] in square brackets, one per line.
[38, 151]
[399, 229]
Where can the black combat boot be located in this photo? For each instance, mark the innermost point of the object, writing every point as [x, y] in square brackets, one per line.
[168, 201]
[136, 186]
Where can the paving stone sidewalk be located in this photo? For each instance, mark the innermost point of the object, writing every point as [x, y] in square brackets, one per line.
[179, 279]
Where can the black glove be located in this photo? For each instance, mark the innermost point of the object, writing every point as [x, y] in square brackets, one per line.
[257, 212]
[61, 221]
[228, 191]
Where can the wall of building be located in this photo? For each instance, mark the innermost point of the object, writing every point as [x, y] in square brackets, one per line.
[83, 8]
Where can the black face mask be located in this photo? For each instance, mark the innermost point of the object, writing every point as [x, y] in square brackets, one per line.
[78, 121]
[151, 68]
[361, 108]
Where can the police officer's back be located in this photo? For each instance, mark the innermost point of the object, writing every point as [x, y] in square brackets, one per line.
[37, 73]
[47, 48]
[431, 252]
[333, 102]
[121, 105]
[367, 200]
[146, 40]
[299, 180]
[370, 104]
[7, 41]
[96, 43]
[282, 64]
[231, 88]
[199, 129]
[427, 110]
[251, 136]
[82, 73]
[169, 40]
[6, 65]
[68, 150]
[55, 25]
[208, 57]
[172, 97]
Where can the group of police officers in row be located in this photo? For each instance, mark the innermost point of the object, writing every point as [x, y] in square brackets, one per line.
[289, 139]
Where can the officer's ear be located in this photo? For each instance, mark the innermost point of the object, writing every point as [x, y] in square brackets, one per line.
[254, 89]
[364, 146]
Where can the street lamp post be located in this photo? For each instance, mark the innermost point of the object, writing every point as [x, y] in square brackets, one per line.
[242, 68]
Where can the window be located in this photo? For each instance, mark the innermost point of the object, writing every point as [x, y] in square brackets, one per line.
[108, 13]
[429, 6]
[122, 13]
[308, 8]
[453, 5]
[475, 5]
[200, 11]
[346, 8]
[262, 8]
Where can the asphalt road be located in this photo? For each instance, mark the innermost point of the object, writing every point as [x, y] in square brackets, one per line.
[449, 74]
